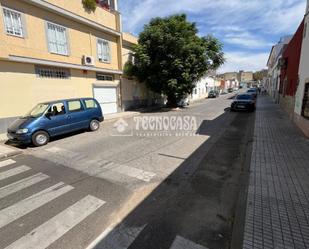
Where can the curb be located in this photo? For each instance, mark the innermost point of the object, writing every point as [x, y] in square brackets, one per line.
[8, 151]
[237, 237]
[11, 154]
[3, 137]
[111, 119]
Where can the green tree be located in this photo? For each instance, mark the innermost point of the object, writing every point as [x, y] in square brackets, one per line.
[259, 75]
[170, 57]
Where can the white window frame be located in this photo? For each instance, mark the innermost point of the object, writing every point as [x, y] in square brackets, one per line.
[100, 42]
[21, 22]
[56, 49]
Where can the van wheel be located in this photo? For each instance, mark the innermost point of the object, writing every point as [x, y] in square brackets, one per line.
[94, 125]
[40, 138]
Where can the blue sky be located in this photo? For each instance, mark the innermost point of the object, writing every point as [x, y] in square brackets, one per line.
[247, 28]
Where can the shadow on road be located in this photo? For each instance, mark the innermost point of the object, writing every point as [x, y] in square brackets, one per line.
[195, 205]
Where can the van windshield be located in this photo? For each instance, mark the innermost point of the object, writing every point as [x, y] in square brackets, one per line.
[37, 111]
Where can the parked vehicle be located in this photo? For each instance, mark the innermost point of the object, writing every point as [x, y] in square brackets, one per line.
[253, 91]
[213, 94]
[55, 118]
[230, 90]
[244, 102]
[183, 102]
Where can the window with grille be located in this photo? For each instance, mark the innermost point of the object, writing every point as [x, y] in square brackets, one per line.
[104, 77]
[13, 22]
[51, 72]
[103, 51]
[57, 39]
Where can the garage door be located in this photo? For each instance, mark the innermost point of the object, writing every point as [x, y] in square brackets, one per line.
[107, 97]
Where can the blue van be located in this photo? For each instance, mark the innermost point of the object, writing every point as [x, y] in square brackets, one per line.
[55, 118]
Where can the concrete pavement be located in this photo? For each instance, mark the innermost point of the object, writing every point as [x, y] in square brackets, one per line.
[8, 151]
[110, 176]
[194, 207]
[277, 214]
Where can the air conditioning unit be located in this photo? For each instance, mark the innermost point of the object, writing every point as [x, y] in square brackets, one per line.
[88, 60]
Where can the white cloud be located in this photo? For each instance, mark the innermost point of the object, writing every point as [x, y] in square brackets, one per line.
[236, 61]
[268, 15]
[246, 39]
[243, 25]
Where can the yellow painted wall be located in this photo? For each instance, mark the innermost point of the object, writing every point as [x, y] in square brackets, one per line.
[82, 39]
[101, 16]
[127, 37]
[21, 89]
[131, 88]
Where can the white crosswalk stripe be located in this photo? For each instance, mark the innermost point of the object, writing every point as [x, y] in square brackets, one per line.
[6, 163]
[182, 243]
[56, 227]
[129, 171]
[99, 168]
[22, 184]
[23, 207]
[13, 172]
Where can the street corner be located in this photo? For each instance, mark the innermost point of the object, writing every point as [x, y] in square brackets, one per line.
[9, 151]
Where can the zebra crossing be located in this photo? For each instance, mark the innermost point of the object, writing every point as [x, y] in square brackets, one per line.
[104, 169]
[52, 229]
[56, 227]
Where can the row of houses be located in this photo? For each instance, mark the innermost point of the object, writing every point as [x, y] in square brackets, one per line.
[288, 75]
[55, 49]
[241, 76]
[220, 83]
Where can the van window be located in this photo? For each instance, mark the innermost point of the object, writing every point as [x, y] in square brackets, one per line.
[74, 106]
[37, 111]
[57, 109]
[90, 104]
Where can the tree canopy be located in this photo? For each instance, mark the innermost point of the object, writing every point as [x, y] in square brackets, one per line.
[170, 56]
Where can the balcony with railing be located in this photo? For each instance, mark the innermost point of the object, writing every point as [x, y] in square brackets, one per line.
[105, 14]
[110, 5]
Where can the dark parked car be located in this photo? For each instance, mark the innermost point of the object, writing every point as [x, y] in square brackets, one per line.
[230, 90]
[243, 102]
[253, 91]
[213, 94]
[54, 118]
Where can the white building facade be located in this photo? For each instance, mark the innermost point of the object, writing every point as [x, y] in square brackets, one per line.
[274, 71]
[203, 87]
[301, 111]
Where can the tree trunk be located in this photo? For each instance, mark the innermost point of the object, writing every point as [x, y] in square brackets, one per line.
[172, 100]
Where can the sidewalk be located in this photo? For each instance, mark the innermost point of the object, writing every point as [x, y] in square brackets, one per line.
[277, 214]
[8, 151]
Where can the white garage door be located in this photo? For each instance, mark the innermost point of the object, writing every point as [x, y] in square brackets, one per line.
[107, 97]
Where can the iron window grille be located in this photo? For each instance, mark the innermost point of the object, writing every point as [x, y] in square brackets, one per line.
[52, 73]
[104, 77]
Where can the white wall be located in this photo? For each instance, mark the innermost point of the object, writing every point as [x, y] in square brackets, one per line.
[303, 71]
[202, 88]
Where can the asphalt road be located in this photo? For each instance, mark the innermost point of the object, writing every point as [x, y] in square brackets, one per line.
[129, 188]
